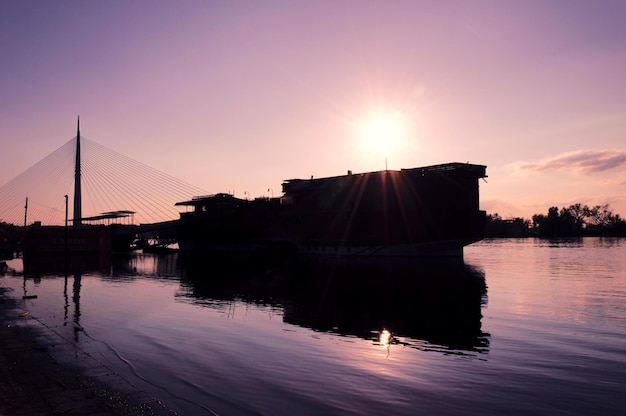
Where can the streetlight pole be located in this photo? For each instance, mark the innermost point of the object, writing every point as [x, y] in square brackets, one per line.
[66, 224]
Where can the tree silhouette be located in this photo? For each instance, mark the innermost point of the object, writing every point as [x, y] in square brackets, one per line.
[577, 220]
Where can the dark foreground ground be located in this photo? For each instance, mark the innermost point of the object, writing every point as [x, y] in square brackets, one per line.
[34, 382]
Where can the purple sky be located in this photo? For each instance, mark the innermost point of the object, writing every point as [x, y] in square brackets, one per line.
[237, 96]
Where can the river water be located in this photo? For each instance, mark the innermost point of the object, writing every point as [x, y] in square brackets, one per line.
[520, 326]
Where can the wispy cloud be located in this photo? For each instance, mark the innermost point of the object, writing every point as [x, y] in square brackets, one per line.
[581, 161]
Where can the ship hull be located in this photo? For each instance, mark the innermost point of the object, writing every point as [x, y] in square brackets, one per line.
[433, 249]
[76, 240]
[58, 239]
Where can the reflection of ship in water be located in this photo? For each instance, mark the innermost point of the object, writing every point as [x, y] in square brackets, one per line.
[104, 264]
[120, 267]
[435, 301]
[55, 265]
[426, 304]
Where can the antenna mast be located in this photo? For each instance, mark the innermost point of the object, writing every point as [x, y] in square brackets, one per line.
[77, 191]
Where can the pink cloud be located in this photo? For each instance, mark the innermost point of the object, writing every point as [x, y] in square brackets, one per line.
[584, 162]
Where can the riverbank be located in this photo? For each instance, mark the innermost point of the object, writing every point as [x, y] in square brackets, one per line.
[35, 382]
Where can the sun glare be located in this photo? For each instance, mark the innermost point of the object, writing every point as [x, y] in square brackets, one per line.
[383, 132]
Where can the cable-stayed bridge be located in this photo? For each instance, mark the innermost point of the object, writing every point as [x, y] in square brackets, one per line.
[111, 183]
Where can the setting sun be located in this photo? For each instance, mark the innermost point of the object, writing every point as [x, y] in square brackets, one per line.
[383, 132]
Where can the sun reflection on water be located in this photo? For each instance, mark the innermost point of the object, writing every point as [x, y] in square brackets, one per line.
[384, 339]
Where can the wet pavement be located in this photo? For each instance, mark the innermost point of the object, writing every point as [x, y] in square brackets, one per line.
[33, 381]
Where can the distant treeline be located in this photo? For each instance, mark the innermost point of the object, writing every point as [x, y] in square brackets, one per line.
[574, 221]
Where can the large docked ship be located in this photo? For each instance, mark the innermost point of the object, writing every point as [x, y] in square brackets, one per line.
[419, 212]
